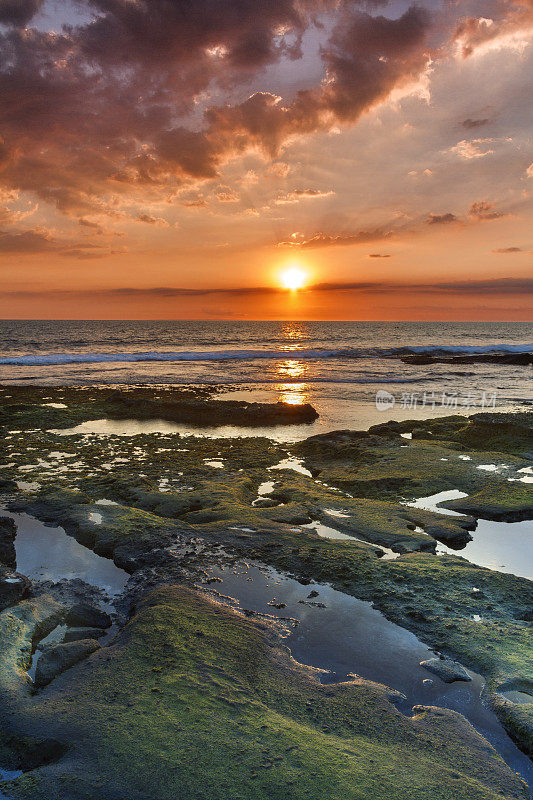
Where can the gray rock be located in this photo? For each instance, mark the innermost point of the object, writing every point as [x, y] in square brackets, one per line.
[76, 634]
[13, 587]
[57, 659]
[82, 615]
[446, 669]
[8, 532]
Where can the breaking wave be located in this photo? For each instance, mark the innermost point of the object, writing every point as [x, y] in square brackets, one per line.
[255, 355]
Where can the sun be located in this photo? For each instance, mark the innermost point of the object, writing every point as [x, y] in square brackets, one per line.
[293, 279]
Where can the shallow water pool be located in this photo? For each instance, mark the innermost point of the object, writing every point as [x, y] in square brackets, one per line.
[349, 636]
[49, 554]
[500, 546]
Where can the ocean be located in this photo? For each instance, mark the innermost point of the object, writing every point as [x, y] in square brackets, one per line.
[339, 367]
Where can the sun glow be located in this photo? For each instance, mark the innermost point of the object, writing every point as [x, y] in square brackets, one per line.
[293, 279]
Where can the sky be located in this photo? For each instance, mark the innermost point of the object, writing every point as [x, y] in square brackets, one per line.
[173, 159]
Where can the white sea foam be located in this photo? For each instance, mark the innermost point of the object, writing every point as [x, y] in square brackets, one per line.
[47, 359]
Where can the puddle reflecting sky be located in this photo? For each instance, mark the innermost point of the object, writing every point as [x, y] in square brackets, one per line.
[350, 636]
[500, 546]
[49, 554]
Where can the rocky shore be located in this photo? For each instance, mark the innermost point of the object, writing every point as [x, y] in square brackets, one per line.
[132, 689]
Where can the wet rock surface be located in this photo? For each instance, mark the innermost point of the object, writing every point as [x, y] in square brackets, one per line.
[446, 669]
[77, 634]
[207, 680]
[154, 505]
[8, 531]
[515, 359]
[55, 660]
[84, 615]
[13, 587]
[208, 412]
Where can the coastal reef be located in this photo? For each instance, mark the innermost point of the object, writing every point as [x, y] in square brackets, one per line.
[171, 691]
[192, 700]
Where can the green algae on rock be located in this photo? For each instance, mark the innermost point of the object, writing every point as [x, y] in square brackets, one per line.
[216, 695]
[172, 515]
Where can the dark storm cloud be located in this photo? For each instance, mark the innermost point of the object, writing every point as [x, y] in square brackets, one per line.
[365, 59]
[102, 110]
[191, 151]
[165, 32]
[18, 12]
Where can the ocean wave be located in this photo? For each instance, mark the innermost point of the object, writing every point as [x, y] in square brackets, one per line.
[48, 359]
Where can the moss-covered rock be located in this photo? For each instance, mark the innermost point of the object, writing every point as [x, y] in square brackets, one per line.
[192, 701]
[174, 514]
[55, 660]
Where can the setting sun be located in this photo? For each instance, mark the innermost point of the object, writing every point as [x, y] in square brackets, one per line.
[293, 279]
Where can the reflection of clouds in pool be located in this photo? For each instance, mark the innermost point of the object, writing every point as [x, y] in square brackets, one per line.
[333, 512]
[45, 553]
[431, 503]
[500, 546]
[330, 533]
[294, 464]
[347, 636]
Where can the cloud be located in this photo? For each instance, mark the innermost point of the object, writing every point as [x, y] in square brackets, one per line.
[150, 220]
[483, 210]
[18, 12]
[379, 255]
[146, 73]
[138, 68]
[206, 33]
[380, 233]
[365, 59]
[335, 240]
[470, 124]
[37, 241]
[25, 242]
[199, 203]
[226, 195]
[508, 250]
[475, 148]
[189, 151]
[497, 287]
[490, 286]
[303, 194]
[508, 21]
[441, 219]
[86, 223]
